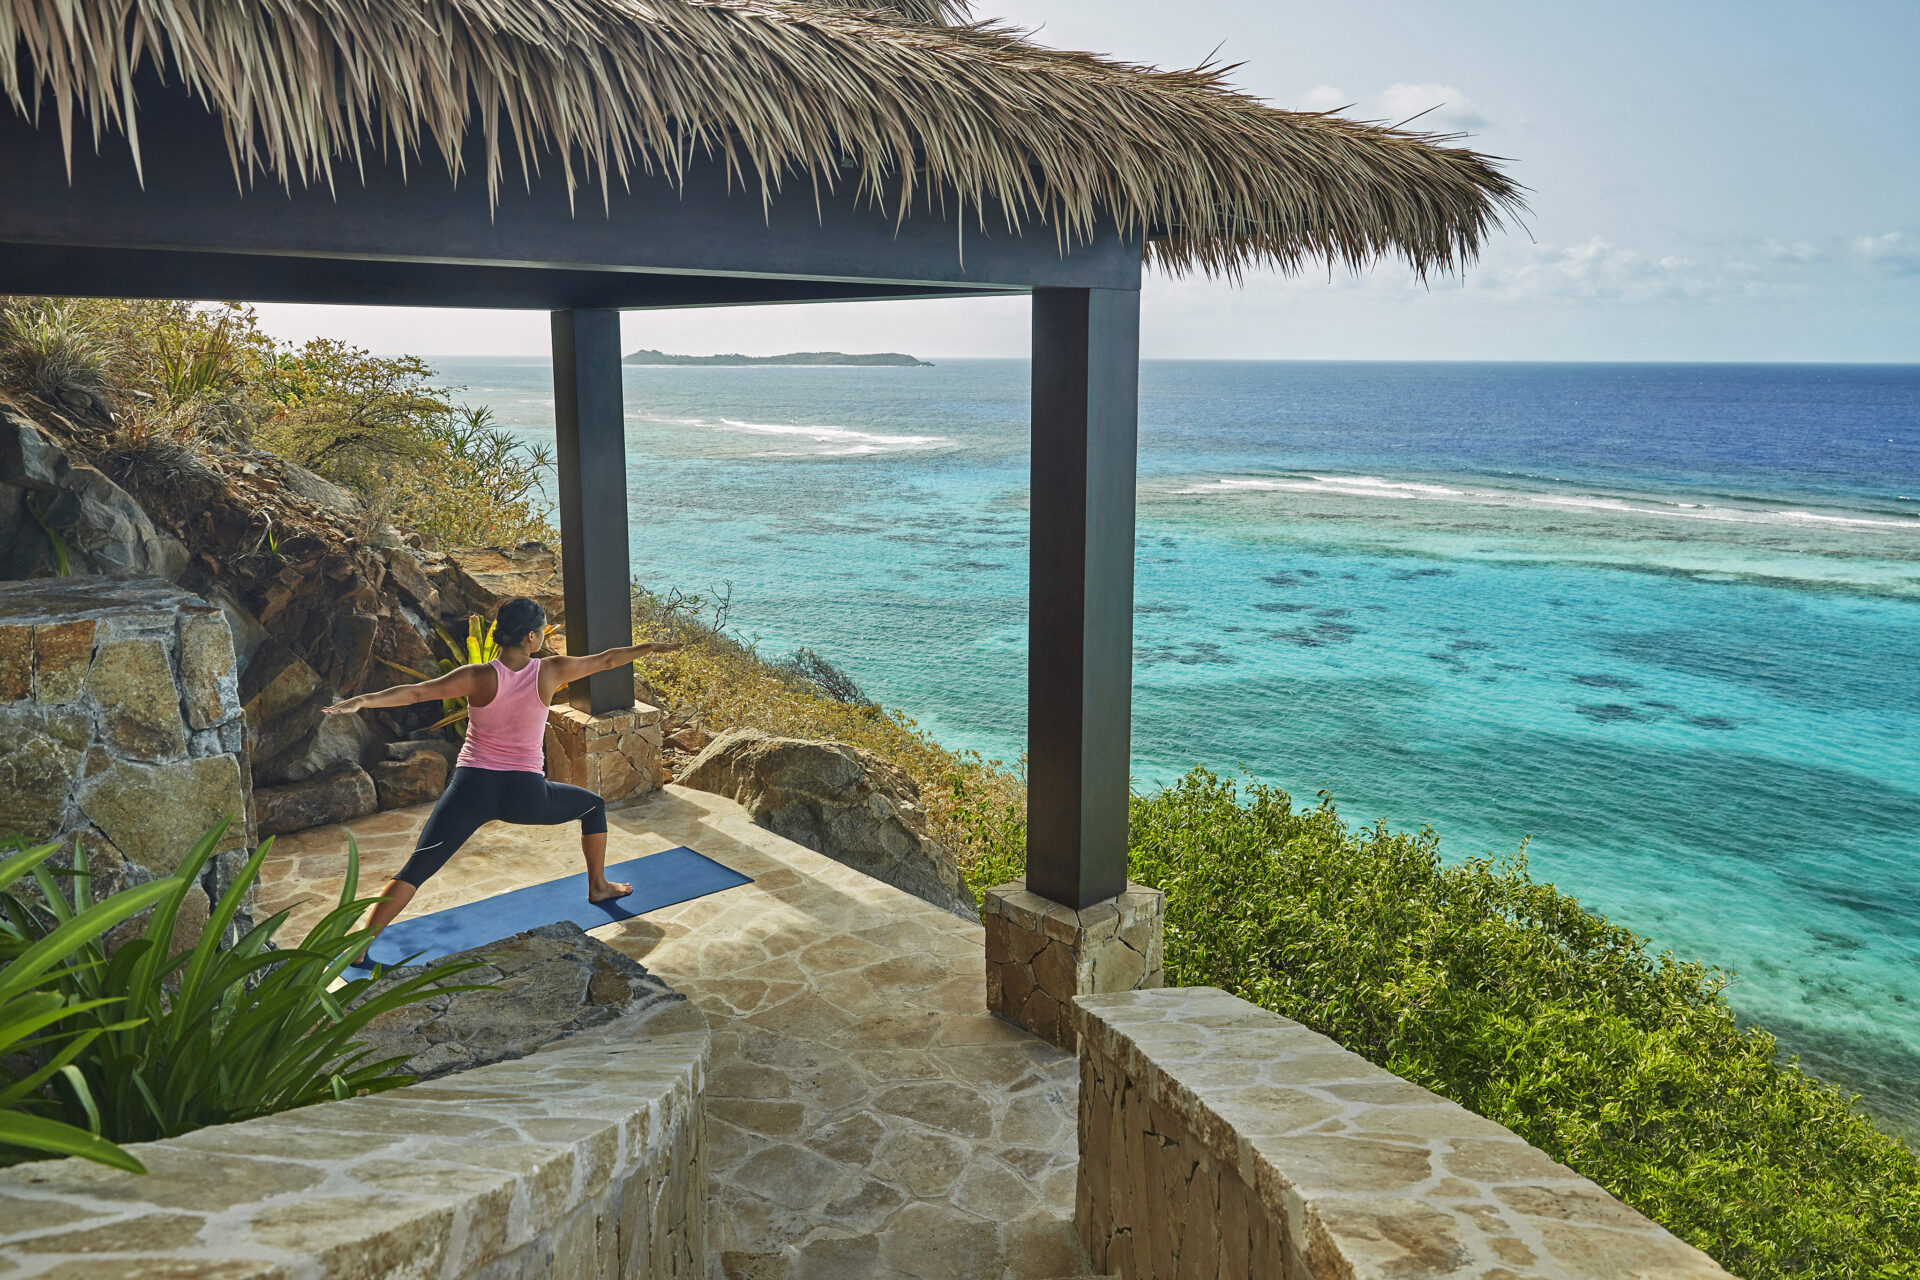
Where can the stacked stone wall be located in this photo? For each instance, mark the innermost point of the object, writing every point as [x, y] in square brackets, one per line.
[120, 726]
[581, 1162]
[1041, 954]
[615, 754]
[1218, 1140]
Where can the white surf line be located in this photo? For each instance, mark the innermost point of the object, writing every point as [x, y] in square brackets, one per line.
[1375, 487]
[829, 435]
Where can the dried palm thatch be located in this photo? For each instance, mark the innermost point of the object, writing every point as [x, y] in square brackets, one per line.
[935, 11]
[909, 110]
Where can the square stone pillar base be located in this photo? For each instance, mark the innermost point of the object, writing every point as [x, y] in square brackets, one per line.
[1040, 954]
[615, 754]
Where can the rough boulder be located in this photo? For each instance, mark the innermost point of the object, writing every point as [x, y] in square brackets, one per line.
[540, 986]
[838, 800]
[95, 523]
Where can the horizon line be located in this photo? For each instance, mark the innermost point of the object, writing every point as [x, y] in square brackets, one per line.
[1515, 360]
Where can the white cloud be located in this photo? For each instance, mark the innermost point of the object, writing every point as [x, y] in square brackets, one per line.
[1733, 269]
[1794, 251]
[1596, 270]
[1447, 110]
[1323, 97]
[1895, 253]
[1441, 108]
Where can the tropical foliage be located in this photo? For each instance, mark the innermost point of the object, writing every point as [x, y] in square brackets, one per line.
[179, 379]
[148, 1041]
[32, 1009]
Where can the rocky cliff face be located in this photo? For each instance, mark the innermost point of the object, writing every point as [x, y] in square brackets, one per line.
[304, 559]
[320, 597]
[52, 505]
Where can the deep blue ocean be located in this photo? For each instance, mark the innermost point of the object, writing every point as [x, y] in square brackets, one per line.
[1661, 621]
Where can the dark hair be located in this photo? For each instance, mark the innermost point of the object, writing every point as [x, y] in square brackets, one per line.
[517, 619]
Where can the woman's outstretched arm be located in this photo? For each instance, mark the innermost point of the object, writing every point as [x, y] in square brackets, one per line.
[462, 682]
[567, 667]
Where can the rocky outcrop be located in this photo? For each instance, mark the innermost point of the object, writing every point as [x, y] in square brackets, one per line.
[484, 578]
[95, 522]
[320, 599]
[120, 726]
[543, 984]
[317, 802]
[299, 558]
[838, 800]
[412, 773]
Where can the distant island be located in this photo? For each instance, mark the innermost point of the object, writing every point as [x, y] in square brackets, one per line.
[888, 358]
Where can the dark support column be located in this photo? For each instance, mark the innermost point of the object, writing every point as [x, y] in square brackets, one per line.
[592, 459]
[1086, 375]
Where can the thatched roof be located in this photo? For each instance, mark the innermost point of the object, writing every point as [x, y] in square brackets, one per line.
[909, 100]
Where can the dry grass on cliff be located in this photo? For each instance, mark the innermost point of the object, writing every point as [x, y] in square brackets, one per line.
[976, 806]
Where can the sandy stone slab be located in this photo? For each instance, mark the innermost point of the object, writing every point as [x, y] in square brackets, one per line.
[1326, 1166]
[511, 1170]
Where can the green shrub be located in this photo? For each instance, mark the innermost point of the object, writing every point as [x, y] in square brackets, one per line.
[31, 1012]
[1503, 994]
[378, 425]
[474, 484]
[167, 1042]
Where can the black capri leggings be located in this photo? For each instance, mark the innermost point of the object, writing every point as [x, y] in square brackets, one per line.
[475, 797]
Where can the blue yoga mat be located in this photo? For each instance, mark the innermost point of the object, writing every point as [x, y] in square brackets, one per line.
[658, 880]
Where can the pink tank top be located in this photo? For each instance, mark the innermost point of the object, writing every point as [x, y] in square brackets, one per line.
[507, 733]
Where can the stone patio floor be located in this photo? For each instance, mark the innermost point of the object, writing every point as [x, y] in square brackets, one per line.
[866, 1116]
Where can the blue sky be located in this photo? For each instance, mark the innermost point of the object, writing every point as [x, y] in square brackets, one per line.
[1710, 181]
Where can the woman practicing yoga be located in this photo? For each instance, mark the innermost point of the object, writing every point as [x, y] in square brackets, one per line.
[501, 771]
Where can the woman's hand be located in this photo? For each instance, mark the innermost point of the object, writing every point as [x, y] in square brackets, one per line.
[346, 706]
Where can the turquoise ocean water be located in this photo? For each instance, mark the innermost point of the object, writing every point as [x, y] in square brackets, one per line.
[1663, 620]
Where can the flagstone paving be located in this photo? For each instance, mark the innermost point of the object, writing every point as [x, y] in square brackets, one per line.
[865, 1116]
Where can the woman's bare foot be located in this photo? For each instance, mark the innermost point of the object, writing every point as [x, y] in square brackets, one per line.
[607, 890]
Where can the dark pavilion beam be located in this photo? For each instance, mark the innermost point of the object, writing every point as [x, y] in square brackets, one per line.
[590, 423]
[1086, 370]
[70, 271]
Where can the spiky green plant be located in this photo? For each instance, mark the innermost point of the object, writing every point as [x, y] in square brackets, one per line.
[52, 345]
[35, 1018]
[211, 1034]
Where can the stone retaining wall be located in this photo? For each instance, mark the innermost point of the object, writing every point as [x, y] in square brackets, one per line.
[581, 1162]
[1220, 1140]
[120, 725]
